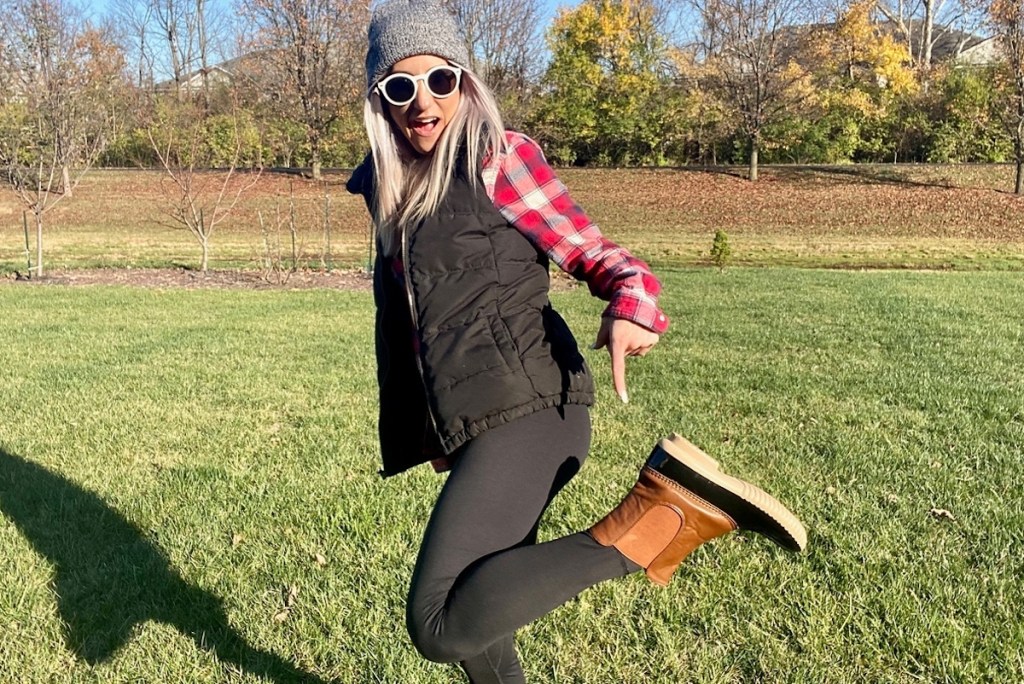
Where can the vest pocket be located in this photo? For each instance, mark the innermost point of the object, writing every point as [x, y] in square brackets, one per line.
[506, 344]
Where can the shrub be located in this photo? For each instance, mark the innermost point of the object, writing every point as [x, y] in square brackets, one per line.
[721, 252]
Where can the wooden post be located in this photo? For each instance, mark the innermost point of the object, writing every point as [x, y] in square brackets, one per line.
[28, 252]
[291, 226]
[369, 253]
[327, 230]
[204, 241]
[266, 243]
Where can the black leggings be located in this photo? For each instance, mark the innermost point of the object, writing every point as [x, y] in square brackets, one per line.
[480, 574]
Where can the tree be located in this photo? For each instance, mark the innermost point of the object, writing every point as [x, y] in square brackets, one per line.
[966, 126]
[170, 38]
[603, 86]
[1007, 19]
[505, 42]
[180, 136]
[199, 201]
[750, 51]
[922, 23]
[63, 77]
[862, 75]
[311, 60]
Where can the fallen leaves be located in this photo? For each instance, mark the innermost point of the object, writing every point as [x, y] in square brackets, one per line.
[942, 514]
[291, 595]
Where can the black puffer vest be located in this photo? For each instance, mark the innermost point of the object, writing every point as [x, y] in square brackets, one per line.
[488, 347]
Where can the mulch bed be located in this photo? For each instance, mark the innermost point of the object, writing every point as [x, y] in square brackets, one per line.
[339, 279]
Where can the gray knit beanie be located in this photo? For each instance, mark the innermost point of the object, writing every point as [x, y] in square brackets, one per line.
[403, 28]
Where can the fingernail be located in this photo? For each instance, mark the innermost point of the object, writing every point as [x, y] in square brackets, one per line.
[624, 397]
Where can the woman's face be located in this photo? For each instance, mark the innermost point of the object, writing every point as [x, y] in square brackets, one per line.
[424, 119]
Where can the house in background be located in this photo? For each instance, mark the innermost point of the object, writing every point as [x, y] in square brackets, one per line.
[218, 75]
[949, 45]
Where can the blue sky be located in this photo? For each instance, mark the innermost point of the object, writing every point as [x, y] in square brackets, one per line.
[99, 9]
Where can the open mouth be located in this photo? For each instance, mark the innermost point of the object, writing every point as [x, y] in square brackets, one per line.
[424, 126]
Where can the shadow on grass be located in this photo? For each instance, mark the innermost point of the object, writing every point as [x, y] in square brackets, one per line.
[850, 174]
[108, 578]
[859, 174]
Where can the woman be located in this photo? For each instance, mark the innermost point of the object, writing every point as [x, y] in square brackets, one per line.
[480, 376]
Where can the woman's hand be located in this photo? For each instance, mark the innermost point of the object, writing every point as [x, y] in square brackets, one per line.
[623, 338]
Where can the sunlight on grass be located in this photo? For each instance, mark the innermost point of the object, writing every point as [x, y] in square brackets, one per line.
[175, 460]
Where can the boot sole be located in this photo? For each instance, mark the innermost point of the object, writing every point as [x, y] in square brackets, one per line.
[750, 506]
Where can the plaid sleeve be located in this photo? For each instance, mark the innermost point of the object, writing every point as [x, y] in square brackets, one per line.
[526, 191]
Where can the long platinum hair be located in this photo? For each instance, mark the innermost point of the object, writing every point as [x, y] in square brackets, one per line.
[410, 187]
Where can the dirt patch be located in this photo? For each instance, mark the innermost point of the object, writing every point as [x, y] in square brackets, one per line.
[338, 279]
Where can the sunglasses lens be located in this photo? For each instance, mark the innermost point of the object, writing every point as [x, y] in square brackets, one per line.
[442, 82]
[400, 89]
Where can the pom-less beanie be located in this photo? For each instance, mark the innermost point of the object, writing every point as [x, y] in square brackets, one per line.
[403, 28]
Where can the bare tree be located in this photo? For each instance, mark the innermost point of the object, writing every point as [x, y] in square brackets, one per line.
[134, 26]
[311, 56]
[1007, 20]
[169, 39]
[505, 47]
[198, 200]
[921, 24]
[749, 51]
[62, 81]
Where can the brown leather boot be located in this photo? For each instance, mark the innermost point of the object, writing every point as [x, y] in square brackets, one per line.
[681, 500]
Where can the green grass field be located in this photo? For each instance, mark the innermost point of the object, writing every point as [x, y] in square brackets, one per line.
[173, 462]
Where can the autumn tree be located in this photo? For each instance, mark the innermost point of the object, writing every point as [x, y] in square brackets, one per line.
[310, 61]
[750, 51]
[603, 85]
[1007, 20]
[861, 76]
[62, 78]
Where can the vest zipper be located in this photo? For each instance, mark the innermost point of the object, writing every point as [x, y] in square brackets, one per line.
[416, 325]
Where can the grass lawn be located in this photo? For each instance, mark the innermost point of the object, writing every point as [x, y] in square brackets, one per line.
[188, 487]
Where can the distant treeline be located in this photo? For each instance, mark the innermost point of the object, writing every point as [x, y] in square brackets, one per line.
[607, 82]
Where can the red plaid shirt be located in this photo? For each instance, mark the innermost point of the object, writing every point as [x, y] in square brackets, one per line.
[526, 191]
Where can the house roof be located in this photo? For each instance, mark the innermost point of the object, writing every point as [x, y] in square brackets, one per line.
[947, 42]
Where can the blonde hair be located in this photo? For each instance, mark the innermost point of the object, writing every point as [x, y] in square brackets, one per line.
[408, 189]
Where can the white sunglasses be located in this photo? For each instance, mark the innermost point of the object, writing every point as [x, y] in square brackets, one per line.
[400, 89]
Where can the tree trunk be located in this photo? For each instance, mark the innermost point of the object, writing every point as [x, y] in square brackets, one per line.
[1018, 150]
[203, 66]
[753, 157]
[39, 242]
[314, 146]
[65, 179]
[929, 32]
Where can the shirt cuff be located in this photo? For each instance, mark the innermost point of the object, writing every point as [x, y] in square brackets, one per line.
[652, 318]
